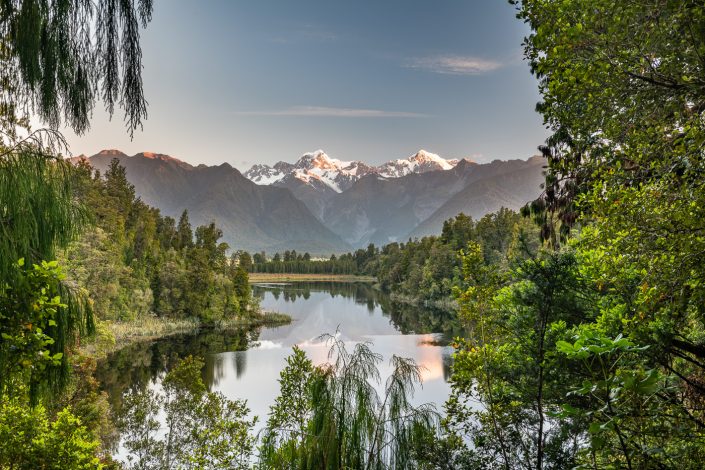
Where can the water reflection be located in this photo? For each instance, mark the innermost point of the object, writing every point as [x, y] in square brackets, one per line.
[245, 363]
[405, 318]
[134, 367]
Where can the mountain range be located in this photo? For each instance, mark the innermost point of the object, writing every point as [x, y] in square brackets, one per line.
[252, 217]
[324, 205]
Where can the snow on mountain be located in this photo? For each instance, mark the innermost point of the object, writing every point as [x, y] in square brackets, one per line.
[336, 174]
[421, 162]
[319, 170]
[264, 174]
[313, 168]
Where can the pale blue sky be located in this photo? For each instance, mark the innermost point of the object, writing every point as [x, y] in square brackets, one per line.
[260, 81]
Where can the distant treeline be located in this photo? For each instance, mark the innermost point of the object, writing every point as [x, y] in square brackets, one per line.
[423, 269]
[292, 262]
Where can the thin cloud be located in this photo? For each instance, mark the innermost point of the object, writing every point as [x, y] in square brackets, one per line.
[455, 65]
[322, 111]
[304, 32]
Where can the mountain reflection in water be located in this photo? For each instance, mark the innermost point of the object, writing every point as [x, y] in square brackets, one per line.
[245, 363]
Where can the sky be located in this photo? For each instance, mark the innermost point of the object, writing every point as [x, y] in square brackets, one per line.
[248, 82]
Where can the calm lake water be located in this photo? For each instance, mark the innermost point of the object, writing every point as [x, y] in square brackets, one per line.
[245, 363]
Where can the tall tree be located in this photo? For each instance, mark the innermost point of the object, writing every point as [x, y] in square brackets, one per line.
[184, 233]
[623, 90]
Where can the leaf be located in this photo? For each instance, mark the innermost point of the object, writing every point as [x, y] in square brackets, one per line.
[595, 428]
[565, 347]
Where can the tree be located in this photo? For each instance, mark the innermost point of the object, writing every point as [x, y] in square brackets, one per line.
[332, 417]
[627, 420]
[622, 90]
[241, 284]
[623, 97]
[207, 237]
[510, 365]
[184, 233]
[54, 58]
[29, 440]
[37, 215]
[37, 328]
[244, 260]
[290, 414]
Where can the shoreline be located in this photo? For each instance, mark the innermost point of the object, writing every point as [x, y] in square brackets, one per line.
[293, 277]
[111, 336]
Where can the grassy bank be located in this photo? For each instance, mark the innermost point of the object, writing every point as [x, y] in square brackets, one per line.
[282, 277]
[111, 336]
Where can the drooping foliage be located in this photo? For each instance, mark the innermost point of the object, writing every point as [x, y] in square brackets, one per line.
[332, 416]
[38, 214]
[59, 57]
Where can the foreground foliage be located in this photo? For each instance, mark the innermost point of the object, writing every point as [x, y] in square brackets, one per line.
[328, 416]
[30, 440]
[590, 354]
[333, 417]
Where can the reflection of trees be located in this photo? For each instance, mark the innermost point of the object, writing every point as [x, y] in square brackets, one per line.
[447, 364]
[414, 319]
[135, 366]
[240, 363]
[406, 317]
[360, 292]
[214, 370]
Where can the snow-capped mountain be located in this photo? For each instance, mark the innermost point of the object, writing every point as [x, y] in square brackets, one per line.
[316, 169]
[324, 205]
[421, 162]
[321, 172]
[253, 217]
[264, 174]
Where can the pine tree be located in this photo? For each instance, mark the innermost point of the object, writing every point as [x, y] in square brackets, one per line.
[184, 233]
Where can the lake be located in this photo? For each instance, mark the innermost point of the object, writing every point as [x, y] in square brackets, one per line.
[245, 363]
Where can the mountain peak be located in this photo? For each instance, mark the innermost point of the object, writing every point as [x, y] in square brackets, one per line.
[111, 153]
[425, 154]
[425, 157]
[319, 159]
[319, 170]
[421, 162]
[158, 156]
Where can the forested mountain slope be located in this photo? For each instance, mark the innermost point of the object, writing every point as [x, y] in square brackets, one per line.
[252, 217]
